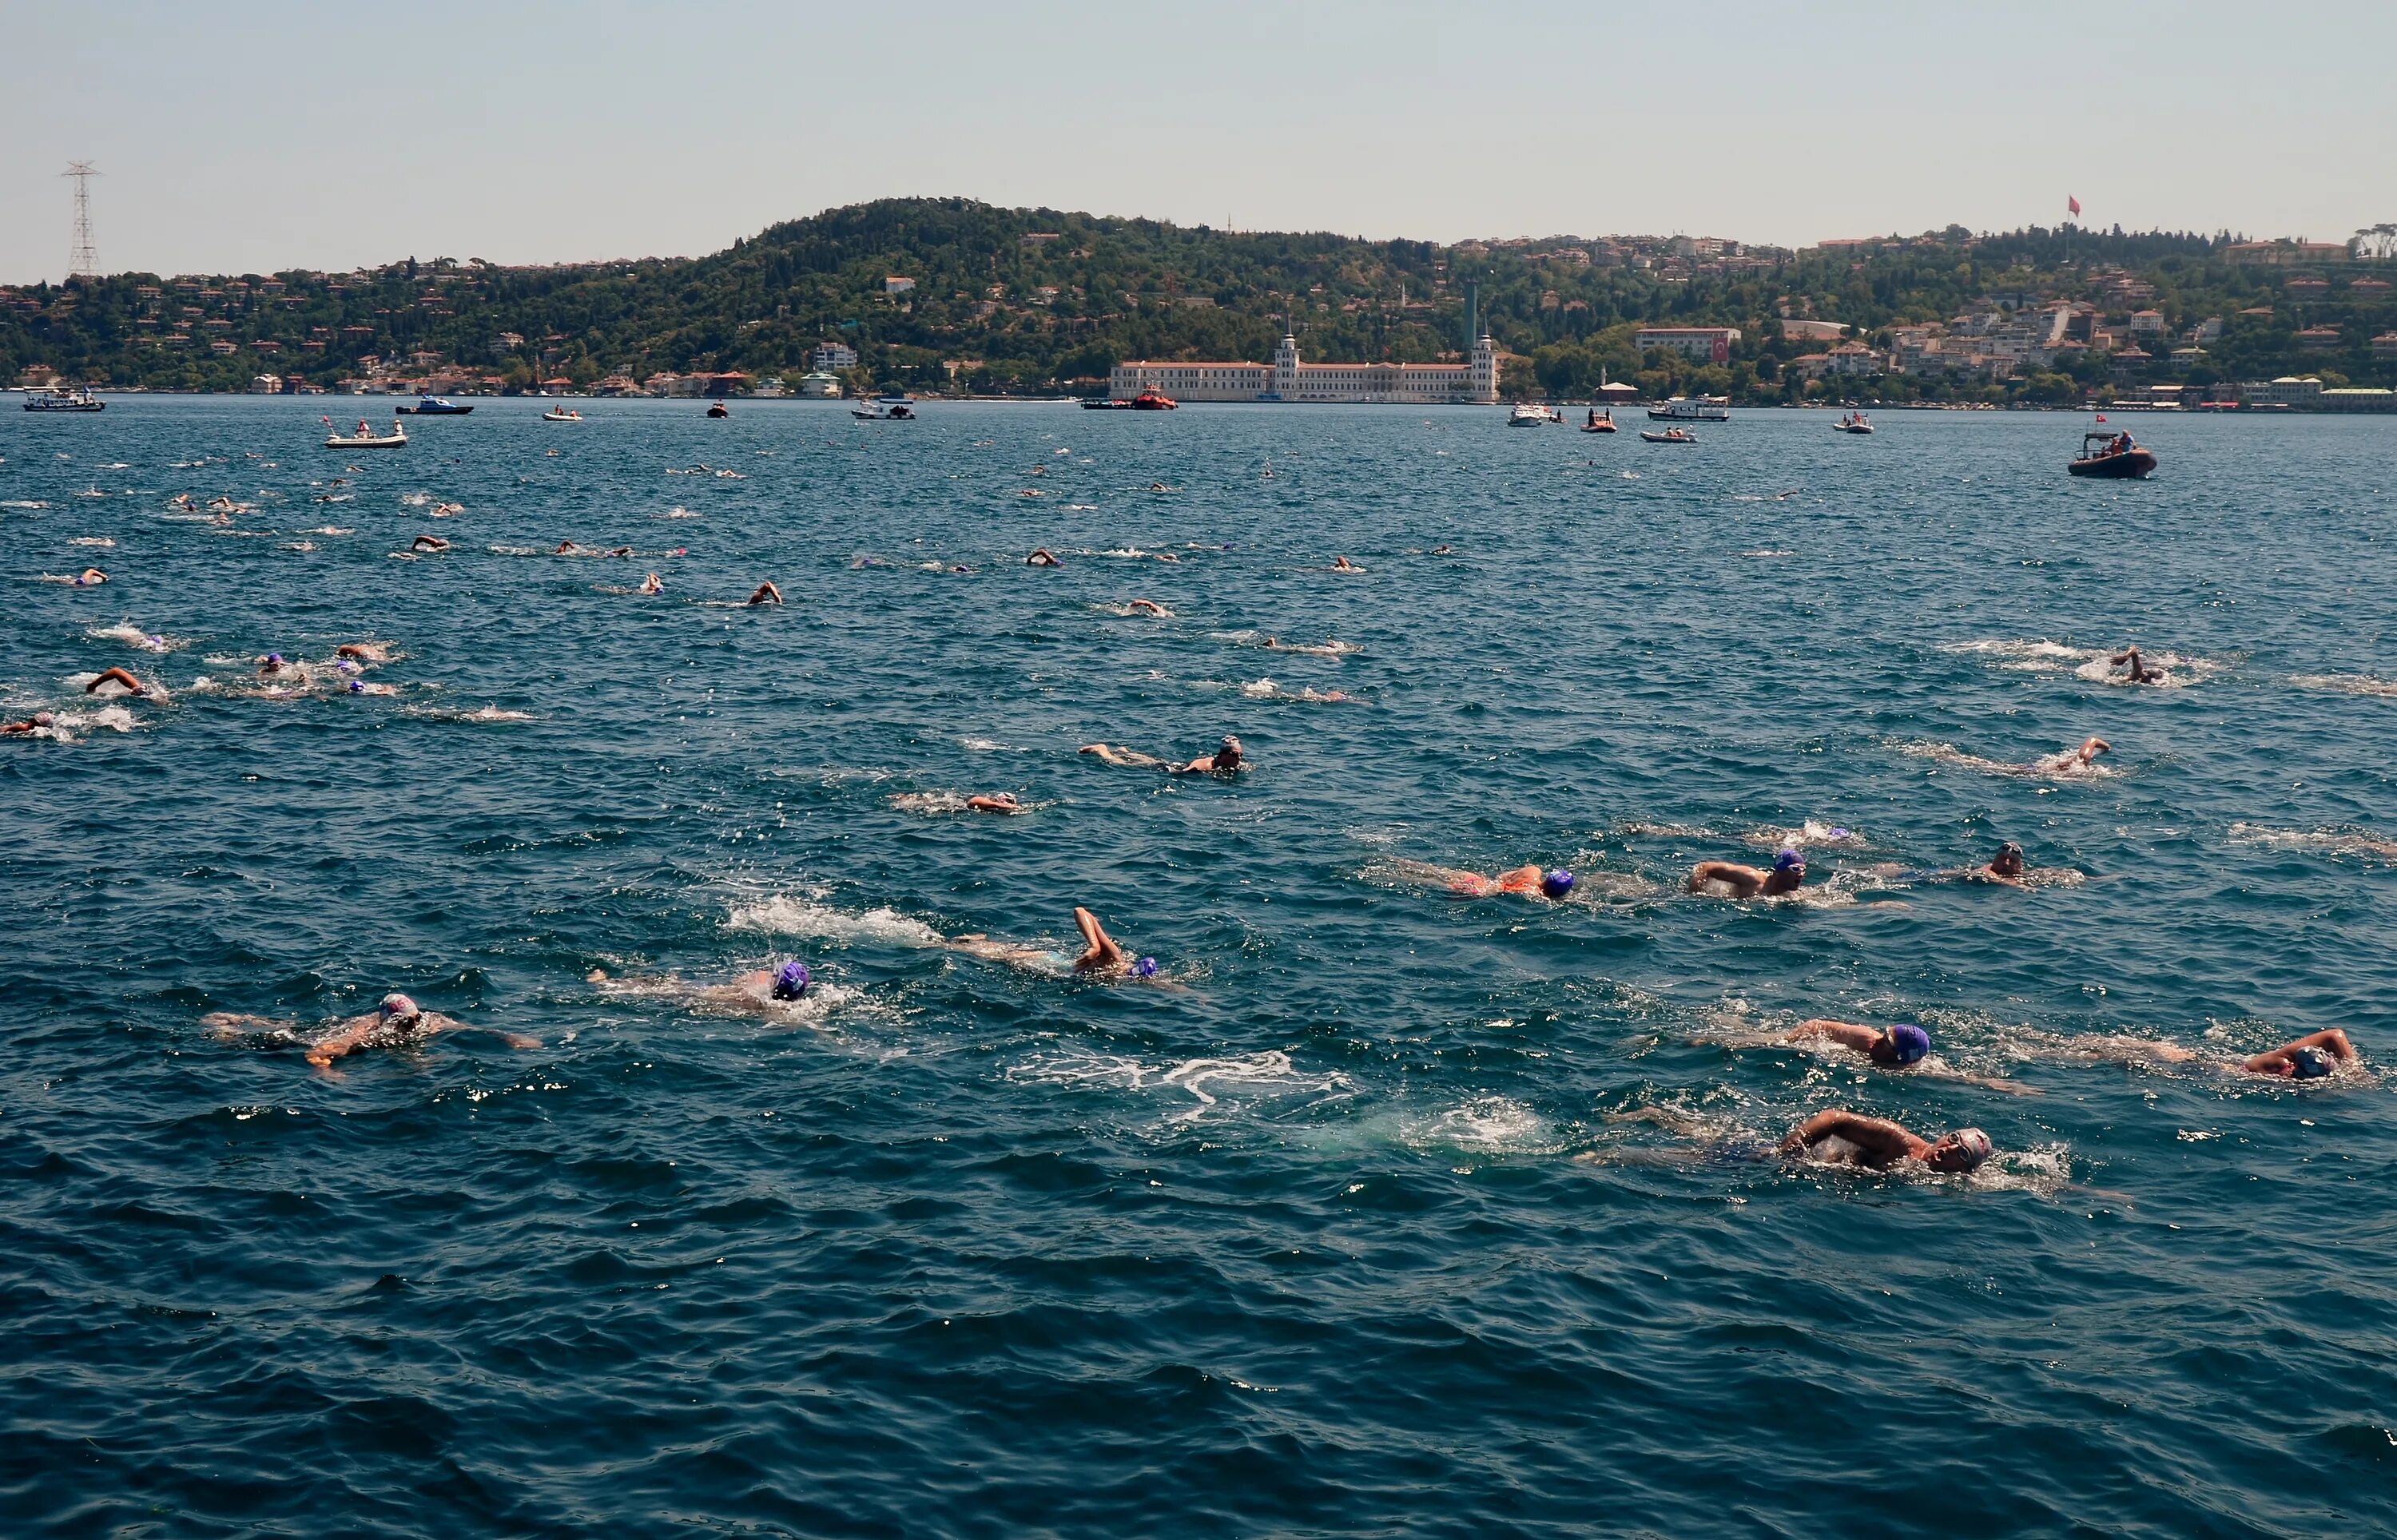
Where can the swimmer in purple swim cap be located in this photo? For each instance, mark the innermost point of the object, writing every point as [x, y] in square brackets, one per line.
[1894, 1047]
[792, 980]
[1747, 882]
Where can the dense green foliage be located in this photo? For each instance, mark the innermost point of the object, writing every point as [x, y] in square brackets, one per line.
[1021, 300]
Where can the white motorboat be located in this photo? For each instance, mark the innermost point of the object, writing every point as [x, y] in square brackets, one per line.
[1533, 414]
[561, 414]
[1692, 409]
[65, 398]
[367, 438]
[884, 408]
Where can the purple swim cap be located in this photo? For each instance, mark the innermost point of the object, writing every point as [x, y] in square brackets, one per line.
[1909, 1043]
[1789, 858]
[1145, 968]
[1557, 883]
[793, 981]
[357, 687]
[276, 658]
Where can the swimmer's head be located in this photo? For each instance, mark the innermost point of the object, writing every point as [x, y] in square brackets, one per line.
[43, 719]
[398, 1007]
[1963, 1150]
[792, 982]
[1230, 752]
[1789, 860]
[2309, 1063]
[357, 687]
[1557, 883]
[273, 660]
[1903, 1044]
[1145, 968]
[2008, 860]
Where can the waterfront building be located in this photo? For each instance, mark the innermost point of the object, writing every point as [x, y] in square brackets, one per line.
[1700, 344]
[833, 356]
[820, 385]
[266, 384]
[1474, 381]
[2287, 390]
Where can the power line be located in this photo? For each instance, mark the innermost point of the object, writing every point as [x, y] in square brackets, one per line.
[82, 259]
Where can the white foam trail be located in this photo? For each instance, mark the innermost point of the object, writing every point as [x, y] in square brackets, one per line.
[2062, 765]
[1806, 835]
[1209, 1081]
[2329, 842]
[2363, 685]
[101, 541]
[479, 715]
[1486, 1125]
[134, 636]
[783, 915]
[929, 802]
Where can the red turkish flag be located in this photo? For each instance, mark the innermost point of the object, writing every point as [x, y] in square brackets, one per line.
[2072, 202]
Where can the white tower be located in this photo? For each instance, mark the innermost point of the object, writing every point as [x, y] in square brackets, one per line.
[1285, 374]
[1485, 370]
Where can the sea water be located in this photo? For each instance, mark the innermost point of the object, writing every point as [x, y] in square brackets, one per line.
[1384, 1210]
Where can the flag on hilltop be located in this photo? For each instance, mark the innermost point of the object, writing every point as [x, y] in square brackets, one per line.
[2072, 202]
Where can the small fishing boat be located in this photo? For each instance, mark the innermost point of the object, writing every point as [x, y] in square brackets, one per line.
[434, 406]
[65, 398]
[717, 409]
[1599, 422]
[1533, 414]
[1853, 422]
[366, 437]
[2111, 452]
[1152, 401]
[1692, 409]
[1670, 435]
[884, 408]
[561, 414]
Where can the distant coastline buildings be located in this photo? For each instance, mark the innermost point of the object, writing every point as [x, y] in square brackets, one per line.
[1288, 378]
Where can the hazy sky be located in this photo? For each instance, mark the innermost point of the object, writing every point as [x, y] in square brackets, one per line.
[248, 137]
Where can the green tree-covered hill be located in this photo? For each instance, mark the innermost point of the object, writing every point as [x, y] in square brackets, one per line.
[1034, 301]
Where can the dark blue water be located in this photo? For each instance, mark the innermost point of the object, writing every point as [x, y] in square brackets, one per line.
[1386, 1213]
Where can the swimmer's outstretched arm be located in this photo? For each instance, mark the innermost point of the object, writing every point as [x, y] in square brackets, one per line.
[2332, 1042]
[1847, 1034]
[1124, 759]
[118, 676]
[1738, 876]
[347, 1037]
[1101, 954]
[1881, 1141]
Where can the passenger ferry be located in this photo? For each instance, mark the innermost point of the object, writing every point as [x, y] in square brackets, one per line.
[65, 398]
[1693, 409]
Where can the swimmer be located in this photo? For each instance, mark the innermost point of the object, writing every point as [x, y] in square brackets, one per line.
[651, 585]
[38, 722]
[396, 1020]
[1527, 880]
[2310, 1057]
[1747, 882]
[1147, 606]
[995, 802]
[2140, 672]
[1226, 759]
[1342, 563]
[428, 542]
[271, 664]
[1042, 558]
[767, 593]
[1443, 551]
[1847, 1138]
[2005, 867]
[118, 676]
[619, 550]
[90, 578]
[1101, 956]
[761, 991]
[1158, 486]
[1328, 649]
[2066, 761]
[566, 548]
[364, 652]
[1895, 1047]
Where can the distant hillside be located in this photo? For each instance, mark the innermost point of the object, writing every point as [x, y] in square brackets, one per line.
[1036, 301]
